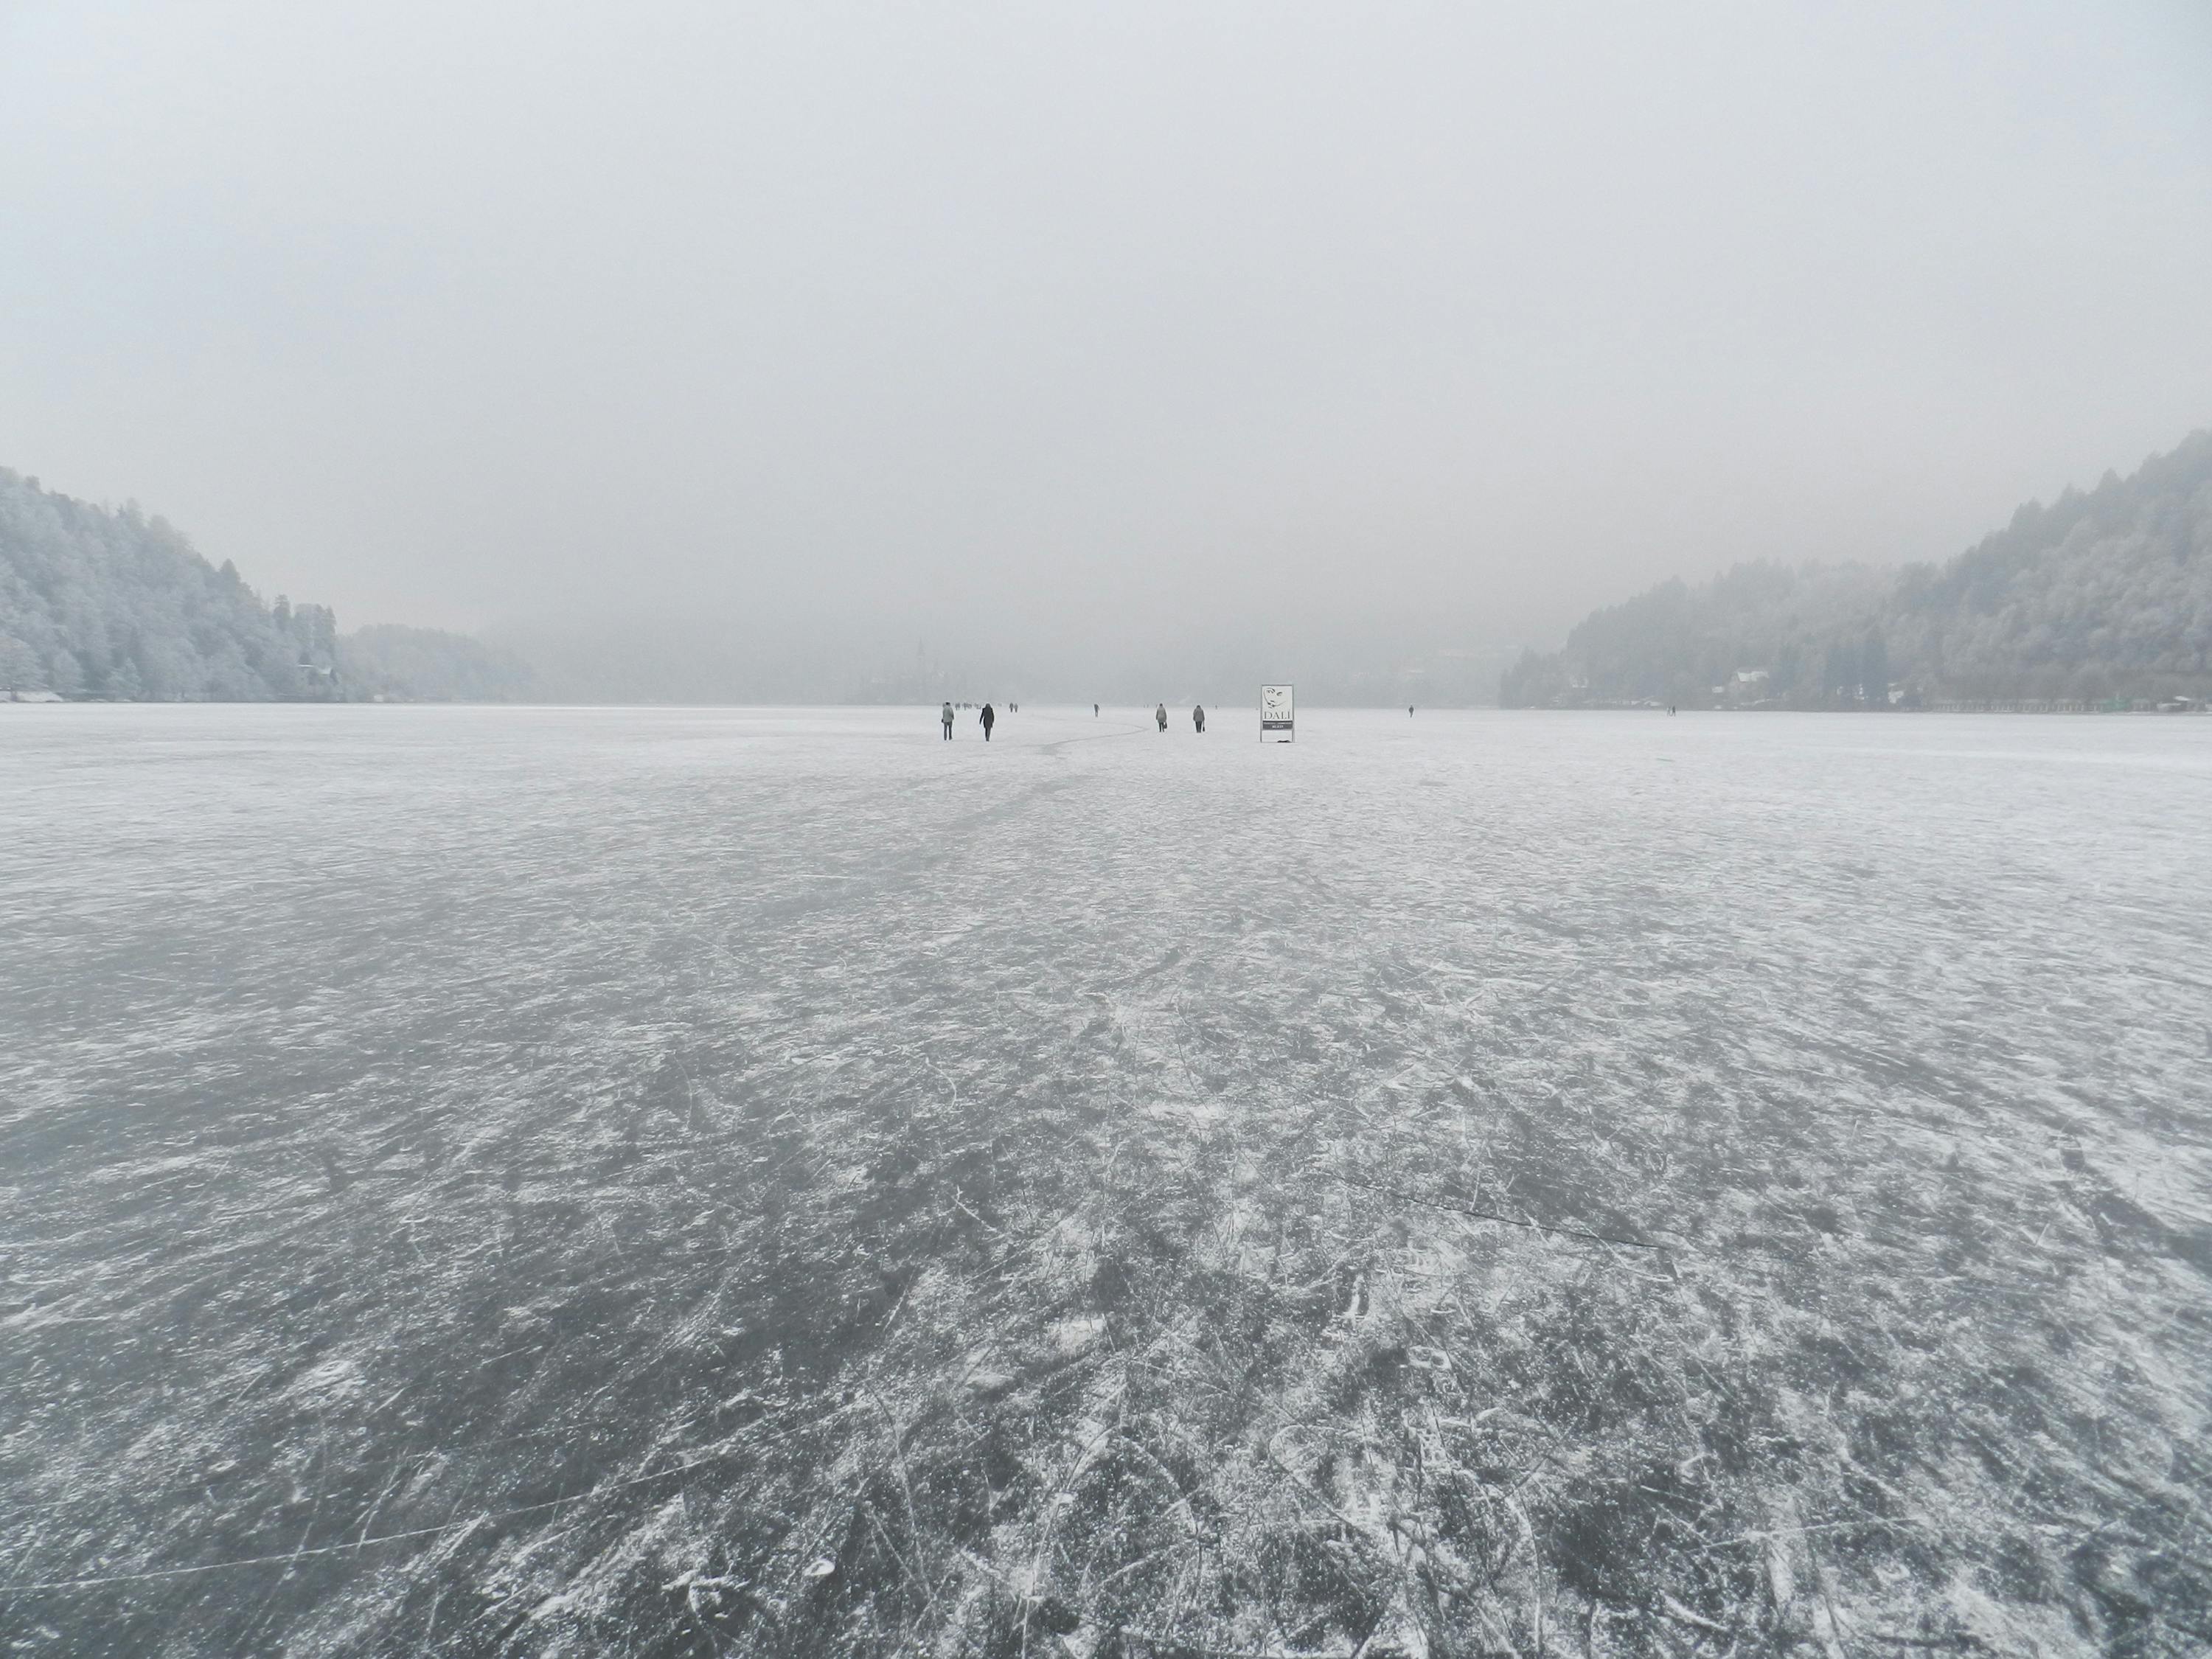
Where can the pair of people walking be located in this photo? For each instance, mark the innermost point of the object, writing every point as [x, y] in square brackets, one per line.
[1197, 717]
[988, 719]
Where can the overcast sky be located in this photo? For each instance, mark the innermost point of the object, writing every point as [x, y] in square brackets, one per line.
[1080, 325]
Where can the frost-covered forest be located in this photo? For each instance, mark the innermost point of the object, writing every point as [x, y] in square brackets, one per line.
[109, 603]
[2103, 594]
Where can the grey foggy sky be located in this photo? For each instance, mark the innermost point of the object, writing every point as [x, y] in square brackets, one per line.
[1089, 325]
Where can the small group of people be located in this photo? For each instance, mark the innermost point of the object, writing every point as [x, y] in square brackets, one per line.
[987, 717]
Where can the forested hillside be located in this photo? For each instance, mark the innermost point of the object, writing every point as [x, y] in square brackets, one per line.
[100, 603]
[2101, 596]
[113, 604]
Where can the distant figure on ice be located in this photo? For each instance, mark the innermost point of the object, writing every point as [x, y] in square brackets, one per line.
[1161, 715]
[1094, 711]
[989, 717]
[947, 718]
[1409, 711]
[1198, 718]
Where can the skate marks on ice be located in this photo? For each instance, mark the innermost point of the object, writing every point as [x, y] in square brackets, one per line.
[678, 1183]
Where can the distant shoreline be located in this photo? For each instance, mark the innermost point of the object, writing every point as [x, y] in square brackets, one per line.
[1954, 706]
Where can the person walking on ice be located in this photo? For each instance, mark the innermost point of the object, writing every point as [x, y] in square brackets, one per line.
[1198, 718]
[1161, 715]
[989, 717]
[947, 718]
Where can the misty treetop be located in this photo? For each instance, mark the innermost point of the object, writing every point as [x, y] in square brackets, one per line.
[430, 664]
[2102, 594]
[103, 603]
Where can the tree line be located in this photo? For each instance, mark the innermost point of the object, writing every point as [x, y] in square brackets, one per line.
[2104, 594]
[96, 602]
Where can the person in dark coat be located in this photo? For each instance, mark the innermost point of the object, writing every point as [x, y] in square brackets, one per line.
[989, 717]
[1198, 718]
[1161, 715]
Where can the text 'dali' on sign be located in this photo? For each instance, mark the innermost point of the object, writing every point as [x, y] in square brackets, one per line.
[1277, 714]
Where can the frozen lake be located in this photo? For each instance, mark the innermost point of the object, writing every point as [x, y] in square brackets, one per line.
[561, 1181]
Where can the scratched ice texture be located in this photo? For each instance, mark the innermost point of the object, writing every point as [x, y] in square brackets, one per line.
[671, 1182]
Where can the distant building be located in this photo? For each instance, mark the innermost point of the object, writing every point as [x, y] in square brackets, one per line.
[1745, 688]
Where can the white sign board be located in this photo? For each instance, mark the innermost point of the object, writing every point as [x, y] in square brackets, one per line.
[1278, 721]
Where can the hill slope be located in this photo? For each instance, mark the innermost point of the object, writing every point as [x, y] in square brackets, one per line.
[111, 603]
[2106, 594]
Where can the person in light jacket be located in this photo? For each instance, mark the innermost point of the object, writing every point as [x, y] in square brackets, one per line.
[946, 717]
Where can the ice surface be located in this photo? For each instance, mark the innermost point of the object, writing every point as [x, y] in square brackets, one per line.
[695, 1181]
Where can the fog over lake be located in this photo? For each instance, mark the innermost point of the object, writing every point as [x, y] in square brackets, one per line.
[769, 345]
[571, 1180]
